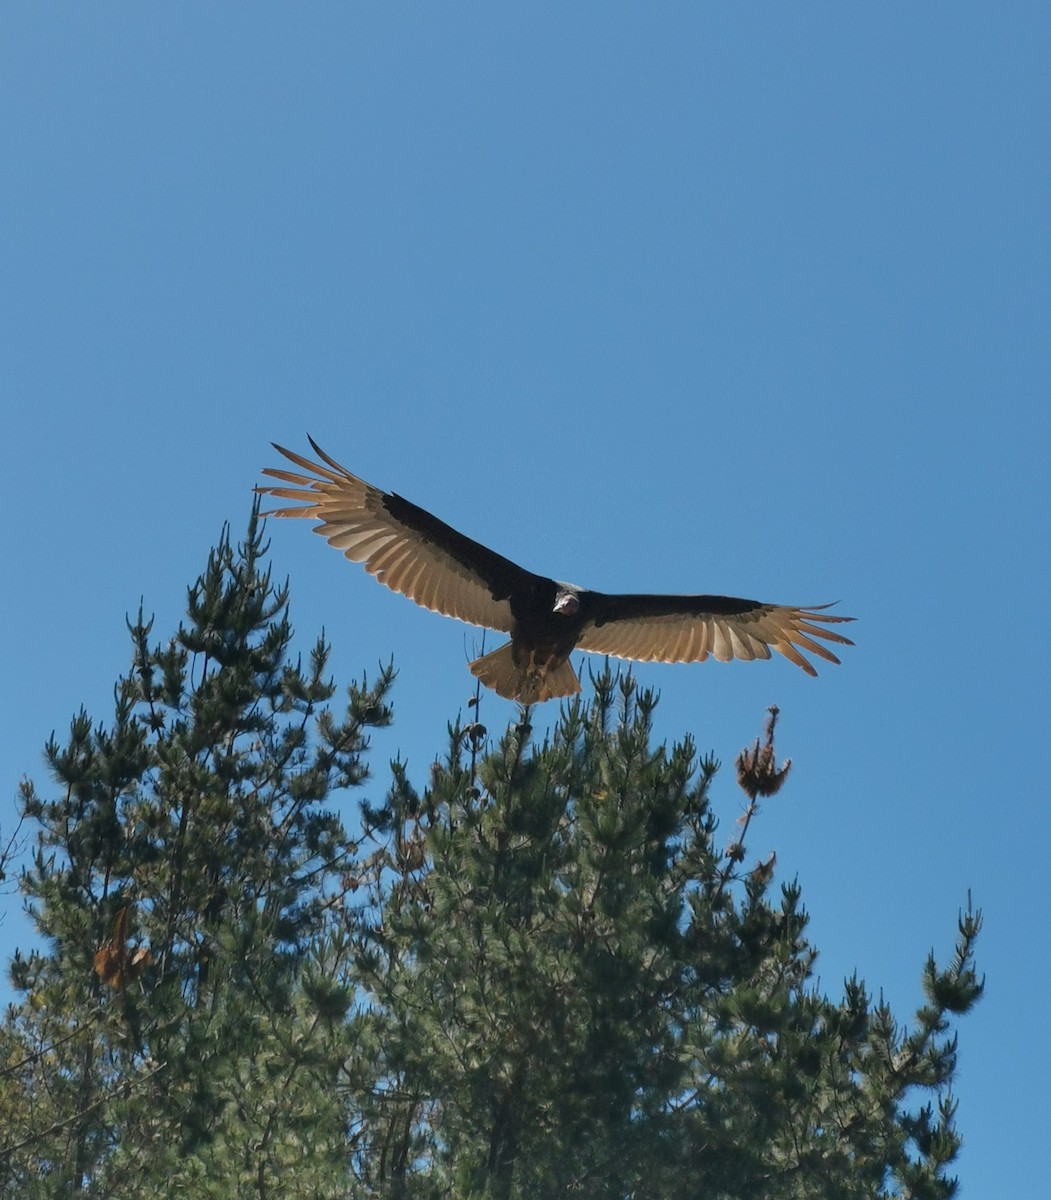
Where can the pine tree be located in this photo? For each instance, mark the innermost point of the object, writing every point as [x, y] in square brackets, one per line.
[579, 993]
[187, 1025]
[537, 975]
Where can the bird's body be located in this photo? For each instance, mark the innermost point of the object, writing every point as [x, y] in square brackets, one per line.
[414, 553]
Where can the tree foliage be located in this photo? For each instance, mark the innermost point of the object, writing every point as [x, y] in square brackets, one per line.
[537, 975]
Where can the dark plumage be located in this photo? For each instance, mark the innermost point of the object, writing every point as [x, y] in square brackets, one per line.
[412, 552]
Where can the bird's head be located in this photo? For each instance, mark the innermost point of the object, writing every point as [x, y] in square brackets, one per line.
[567, 602]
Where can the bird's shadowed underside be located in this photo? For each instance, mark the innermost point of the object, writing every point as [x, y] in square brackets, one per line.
[523, 679]
[417, 555]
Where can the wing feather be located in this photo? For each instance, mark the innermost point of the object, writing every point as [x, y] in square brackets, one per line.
[722, 649]
[740, 644]
[689, 647]
[414, 568]
[679, 644]
[690, 628]
[394, 575]
[401, 544]
[382, 558]
[827, 634]
[426, 594]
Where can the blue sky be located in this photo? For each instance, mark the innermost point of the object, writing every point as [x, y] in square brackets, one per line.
[680, 297]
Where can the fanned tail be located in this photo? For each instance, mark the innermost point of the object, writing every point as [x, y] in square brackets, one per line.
[528, 682]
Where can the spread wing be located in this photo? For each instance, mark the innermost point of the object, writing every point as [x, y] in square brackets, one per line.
[689, 628]
[403, 545]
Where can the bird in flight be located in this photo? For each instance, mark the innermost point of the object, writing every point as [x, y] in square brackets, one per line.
[413, 553]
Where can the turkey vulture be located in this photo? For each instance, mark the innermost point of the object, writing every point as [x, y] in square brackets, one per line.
[419, 556]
